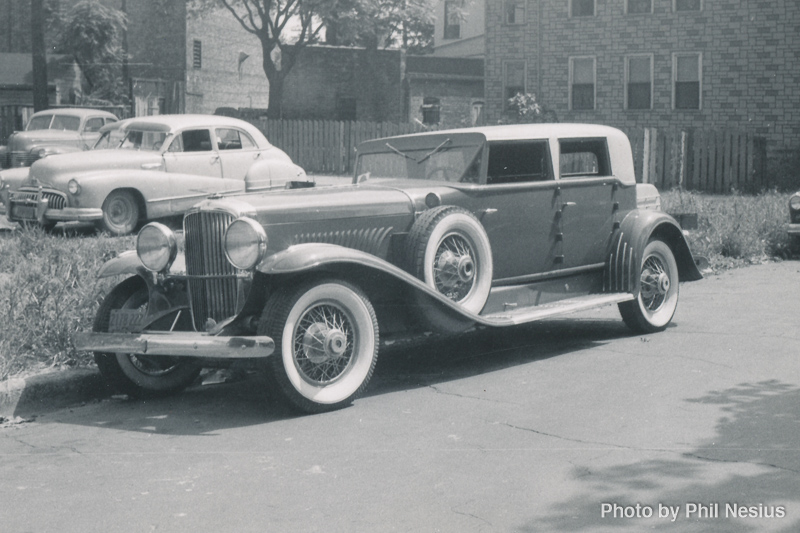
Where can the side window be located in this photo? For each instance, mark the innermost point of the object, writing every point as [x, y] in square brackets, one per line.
[176, 145]
[196, 141]
[110, 120]
[229, 139]
[584, 158]
[518, 162]
[93, 125]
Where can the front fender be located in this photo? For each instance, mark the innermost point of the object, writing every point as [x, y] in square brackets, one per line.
[629, 241]
[128, 263]
[312, 257]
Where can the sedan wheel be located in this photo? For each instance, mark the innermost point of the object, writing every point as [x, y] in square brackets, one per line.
[120, 213]
[657, 300]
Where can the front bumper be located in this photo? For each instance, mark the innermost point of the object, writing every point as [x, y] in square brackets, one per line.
[794, 229]
[35, 207]
[178, 344]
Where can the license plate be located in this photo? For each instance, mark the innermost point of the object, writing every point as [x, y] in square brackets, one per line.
[23, 212]
[124, 320]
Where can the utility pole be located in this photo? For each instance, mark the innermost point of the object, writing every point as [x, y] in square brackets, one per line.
[40, 99]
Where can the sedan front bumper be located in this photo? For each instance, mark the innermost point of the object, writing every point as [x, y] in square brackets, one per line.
[177, 344]
[794, 229]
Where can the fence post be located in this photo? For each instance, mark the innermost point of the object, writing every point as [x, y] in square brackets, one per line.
[646, 156]
[682, 162]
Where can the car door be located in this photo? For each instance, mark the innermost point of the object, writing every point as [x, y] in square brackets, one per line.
[588, 203]
[521, 209]
[237, 153]
[194, 168]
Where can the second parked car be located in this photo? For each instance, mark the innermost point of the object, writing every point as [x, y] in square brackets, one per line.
[164, 165]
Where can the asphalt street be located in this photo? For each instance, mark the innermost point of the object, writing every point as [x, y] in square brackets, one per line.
[566, 425]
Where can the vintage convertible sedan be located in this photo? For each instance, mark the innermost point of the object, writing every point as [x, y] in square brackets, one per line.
[52, 131]
[164, 165]
[488, 227]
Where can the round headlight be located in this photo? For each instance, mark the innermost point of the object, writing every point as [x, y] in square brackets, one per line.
[156, 246]
[245, 243]
[73, 187]
[794, 202]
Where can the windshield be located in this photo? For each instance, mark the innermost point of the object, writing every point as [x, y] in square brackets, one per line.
[54, 122]
[109, 139]
[143, 140]
[442, 162]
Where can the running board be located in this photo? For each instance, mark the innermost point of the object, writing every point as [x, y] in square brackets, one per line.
[514, 317]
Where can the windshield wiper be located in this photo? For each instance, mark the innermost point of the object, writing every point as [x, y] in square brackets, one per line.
[395, 150]
[435, 150]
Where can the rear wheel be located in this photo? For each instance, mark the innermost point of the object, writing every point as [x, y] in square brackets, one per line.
[139, 375]
[326, 340]
[655, 305]
[120, 213]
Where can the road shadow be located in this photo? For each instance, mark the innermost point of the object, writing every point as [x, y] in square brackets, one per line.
[751, 461]
[205, 409]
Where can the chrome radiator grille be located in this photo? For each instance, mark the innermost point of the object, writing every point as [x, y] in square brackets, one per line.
[213, 285]
[54, 199]
[22, 159]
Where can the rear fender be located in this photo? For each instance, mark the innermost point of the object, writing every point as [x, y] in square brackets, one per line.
[630, 239]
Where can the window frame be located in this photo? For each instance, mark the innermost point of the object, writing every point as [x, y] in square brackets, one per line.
[506, 11]
[627, 81]
[628, 12]
[676, 10]
[546, 175]
[431, 108]
[572, 82]
[506, 98]
[573, 15]
[675, 56]
[197, 54]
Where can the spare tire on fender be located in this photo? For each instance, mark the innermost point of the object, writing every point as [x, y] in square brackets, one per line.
[449, 250]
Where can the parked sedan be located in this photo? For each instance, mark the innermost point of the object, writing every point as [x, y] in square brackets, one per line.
[794, 220]
[48, 131]
[495, 226]
[163, 166]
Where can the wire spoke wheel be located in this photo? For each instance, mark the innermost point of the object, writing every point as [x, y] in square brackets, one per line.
[655, 305]
[323, 343]
[454, 267]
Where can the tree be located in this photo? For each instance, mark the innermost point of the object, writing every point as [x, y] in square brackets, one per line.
[92, 35]
[525, 109]
[284, 27]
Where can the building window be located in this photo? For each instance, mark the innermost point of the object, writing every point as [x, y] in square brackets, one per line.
[687, 5]
[431, 108]
[582, 82]
[515, 11]
[581, 8]
[687, 70]
[513, 81]
[639, 82]
[452, 20]
[639, 6]
[346, 108]
[197, 54]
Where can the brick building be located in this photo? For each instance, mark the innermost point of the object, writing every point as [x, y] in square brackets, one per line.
[177, 61]
[662, 63]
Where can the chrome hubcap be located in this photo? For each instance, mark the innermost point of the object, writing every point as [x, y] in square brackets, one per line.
[454, 268]
[655, 284]
[323, 344]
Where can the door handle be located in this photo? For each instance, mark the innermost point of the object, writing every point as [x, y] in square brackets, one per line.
[568, 204]
[214, 158]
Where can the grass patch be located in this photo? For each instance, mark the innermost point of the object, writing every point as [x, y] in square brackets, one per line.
[49, 291]
[735, 230]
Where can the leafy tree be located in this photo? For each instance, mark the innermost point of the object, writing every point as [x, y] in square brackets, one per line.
[92, 35]
[525, 109]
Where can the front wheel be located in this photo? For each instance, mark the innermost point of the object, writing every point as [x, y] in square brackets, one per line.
[120, 213]
[653, 308]
[138, 375]
[326, 339]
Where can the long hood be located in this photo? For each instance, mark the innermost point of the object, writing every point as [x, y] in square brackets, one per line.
[328, 203]
[25, 139]
[62, 167]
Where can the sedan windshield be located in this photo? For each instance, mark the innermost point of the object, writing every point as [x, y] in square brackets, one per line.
[442, 162]
[54, 122]
[144, 140]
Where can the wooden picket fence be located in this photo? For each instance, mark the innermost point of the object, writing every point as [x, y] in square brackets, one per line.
[324, 146]
[700, 160]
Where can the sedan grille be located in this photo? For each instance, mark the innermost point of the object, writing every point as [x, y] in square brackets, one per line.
[214, 286]
[22, 159]
[55, 199]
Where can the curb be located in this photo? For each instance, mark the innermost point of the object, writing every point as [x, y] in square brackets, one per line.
[51, 391]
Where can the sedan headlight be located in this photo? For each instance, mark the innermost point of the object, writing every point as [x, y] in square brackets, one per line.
[156, 246]
[794, 202]
[74, 187]
[245, 243]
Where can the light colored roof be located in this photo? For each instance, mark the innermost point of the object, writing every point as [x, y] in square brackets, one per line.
[510, 132]
[74, 112]
[173, 122]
